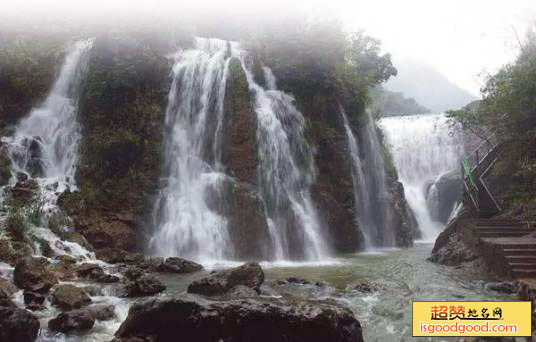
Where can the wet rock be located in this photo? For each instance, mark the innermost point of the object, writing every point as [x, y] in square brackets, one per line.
[86, 269]
[138, 283]
[66, 259]
[104, 312]
[366, 287]
[241, 291]
[33, 298]
[32, 274]
[197, 319]
[179, 265]
[116, 233]
[92, 290]
[96, 273]
[17, 325]
[7, 288]
[250, 275]
[450, 248]
[443, 194]
[62, 270]
[5, 166]
[248, 229]
[111, 255]
[503, 287]
[22, 177]
[73, 321]
[25, 192]
[68, 297]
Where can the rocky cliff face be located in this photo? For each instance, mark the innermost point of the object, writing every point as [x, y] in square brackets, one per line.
[121, 113]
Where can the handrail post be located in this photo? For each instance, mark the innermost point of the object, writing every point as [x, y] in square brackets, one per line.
[477, 159]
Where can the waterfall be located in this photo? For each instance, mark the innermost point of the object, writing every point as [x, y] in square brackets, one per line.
[186, 224]
[371, 194]
[286, 172]
[45, 144]
[424, 147]
[187, 220]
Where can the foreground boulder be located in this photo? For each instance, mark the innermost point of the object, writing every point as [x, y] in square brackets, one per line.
[196, 319]
[73, 321]
[17, 325]
[179, 265]
[138, 283]
[218, 283]
[32, 274]
[68, 297]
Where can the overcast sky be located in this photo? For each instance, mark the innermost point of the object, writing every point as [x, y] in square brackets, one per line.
[461, 38]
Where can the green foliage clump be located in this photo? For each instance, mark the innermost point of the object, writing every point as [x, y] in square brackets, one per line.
[386, 103]
[314, 55]
[28, 65]
[16, 225]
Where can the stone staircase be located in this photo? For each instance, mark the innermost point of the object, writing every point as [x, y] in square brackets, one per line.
[510, 240]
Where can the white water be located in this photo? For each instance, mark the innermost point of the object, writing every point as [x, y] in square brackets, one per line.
[358, 180]
[186, 225]
[371, 195]
[53, 128]
[188, 217]
[286, 172]
[423, 148]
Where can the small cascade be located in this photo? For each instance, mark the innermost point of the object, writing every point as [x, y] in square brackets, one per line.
[369, 184]
[186, 223]
[424, 147]
[45, 144]
[44, 148]
[286, 172]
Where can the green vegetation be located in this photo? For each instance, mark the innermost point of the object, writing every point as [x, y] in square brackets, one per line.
[388, 103]
[28, 65]
[315, 55]
[16, 225]
[508, 109]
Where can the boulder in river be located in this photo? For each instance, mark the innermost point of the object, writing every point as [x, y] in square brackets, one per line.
[179, 265]
[32, 274]
[17, 325]
[7, 288]
[194, 318]
[443, 194]
[73, 321]
[218, 283]
[138, 283]
[34, 301]
[68, 297]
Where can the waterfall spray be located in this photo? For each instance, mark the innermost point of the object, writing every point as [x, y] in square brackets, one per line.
[424, 147]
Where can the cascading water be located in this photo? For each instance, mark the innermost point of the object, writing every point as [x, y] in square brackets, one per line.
[187, 222]
[369, 184]
[424, 147]
[286, 172]
[45, 143]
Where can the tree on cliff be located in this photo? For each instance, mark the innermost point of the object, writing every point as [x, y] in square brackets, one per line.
[508, 109]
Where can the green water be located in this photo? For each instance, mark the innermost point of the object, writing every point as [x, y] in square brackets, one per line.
[400, 277]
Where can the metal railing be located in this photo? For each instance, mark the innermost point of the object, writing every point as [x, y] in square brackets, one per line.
[474, 167]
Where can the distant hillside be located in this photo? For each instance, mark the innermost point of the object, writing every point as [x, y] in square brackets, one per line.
[428, 86]
[389, 103]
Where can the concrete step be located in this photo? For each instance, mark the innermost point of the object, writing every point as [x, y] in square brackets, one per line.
[522, 258]
[519, 251]
[524, 273]
[504, 228]
[522, 266]
[500, 223]
[518, 245]
[505, 231]
[501, 234]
